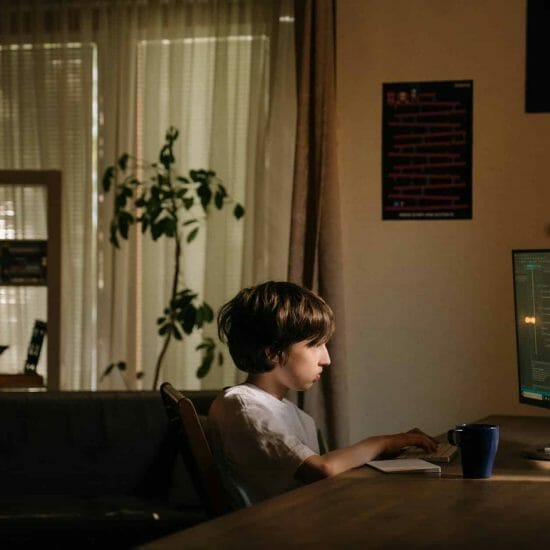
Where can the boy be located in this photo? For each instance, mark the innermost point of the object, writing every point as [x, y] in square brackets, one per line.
[277, 332]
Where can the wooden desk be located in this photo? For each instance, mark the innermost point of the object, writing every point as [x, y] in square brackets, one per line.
[364, 508]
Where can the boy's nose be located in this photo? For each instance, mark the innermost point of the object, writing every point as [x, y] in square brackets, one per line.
[325, 357]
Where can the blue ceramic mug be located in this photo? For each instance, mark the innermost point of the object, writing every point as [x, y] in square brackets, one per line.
[478, 445]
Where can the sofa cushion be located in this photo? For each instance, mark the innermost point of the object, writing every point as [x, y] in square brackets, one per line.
[80, 443]
[89, 444]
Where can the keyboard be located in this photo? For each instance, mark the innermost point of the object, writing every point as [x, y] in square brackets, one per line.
[445, 452]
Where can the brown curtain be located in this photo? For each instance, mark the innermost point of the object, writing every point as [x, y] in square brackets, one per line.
[315, 237]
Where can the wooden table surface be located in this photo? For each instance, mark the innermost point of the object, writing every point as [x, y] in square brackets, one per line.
[364, 508]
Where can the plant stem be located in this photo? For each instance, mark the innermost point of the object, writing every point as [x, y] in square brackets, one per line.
[124, 379]
[167, 339]
[175, 280]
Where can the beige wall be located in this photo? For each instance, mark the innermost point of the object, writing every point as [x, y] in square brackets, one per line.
[430, 329]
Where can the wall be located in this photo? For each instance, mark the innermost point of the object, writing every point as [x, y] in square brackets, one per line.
[430, 329]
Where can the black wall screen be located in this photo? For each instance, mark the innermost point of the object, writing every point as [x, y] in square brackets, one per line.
[537, 76]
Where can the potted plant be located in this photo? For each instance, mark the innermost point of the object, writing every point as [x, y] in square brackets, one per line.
[161, 202]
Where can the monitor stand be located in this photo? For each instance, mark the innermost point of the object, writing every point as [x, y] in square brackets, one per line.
[537, 453]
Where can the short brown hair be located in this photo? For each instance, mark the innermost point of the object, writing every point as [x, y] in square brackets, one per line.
[272, 316]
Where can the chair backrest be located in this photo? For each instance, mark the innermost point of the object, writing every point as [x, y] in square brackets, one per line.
[195, 451]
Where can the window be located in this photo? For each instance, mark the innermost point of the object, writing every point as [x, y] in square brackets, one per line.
[48, 114]
[82, 82]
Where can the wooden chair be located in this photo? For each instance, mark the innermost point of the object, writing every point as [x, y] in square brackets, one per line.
[195, 451]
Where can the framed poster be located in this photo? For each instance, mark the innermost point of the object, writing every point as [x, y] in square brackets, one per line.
[427, 150]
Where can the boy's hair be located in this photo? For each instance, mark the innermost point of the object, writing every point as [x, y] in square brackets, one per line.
[268, 319]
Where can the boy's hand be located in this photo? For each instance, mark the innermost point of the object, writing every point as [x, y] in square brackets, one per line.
[417, 431]
[414, 437]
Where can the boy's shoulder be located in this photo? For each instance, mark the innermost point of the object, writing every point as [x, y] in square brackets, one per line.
[247, 396]
[246, 393]
[240, 402]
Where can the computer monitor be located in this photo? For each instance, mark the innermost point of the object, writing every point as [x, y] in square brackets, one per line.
[531, 276]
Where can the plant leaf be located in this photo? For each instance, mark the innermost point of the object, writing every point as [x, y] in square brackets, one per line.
[199, 319]
[166, 157]
[218, 200]
[107, 180]
[204, 345]
[192, 235]
[187, 319]
[156, 231]
[238, 211]
[169, 227]
[208, 313]
[120, 200]
[205, 194]
[123, 161]
[206, 363]
[107, 371]
[125, 219]
[113, 231]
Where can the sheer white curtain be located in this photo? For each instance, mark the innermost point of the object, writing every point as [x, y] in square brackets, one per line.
[220, 70]
[46, 121]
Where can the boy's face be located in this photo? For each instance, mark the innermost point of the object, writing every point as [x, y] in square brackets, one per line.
[303, 366]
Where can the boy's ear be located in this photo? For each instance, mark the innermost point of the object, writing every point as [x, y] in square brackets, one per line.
[272, 356]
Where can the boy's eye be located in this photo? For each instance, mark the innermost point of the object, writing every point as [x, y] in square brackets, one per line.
[316, 344]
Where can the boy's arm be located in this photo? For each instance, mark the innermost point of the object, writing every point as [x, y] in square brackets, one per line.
[335, 462]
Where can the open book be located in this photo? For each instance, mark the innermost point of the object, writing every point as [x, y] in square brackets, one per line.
[403, 465]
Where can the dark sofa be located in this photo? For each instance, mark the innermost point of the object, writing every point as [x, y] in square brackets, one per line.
[91, 468]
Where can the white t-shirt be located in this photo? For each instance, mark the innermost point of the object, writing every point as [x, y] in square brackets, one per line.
[259, 442]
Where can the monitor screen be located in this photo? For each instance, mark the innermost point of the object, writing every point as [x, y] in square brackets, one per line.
[532, 310]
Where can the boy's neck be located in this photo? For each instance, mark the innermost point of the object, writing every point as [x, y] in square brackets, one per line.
[269, 384]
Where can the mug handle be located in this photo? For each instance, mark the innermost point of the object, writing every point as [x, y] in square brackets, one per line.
[454, 436]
